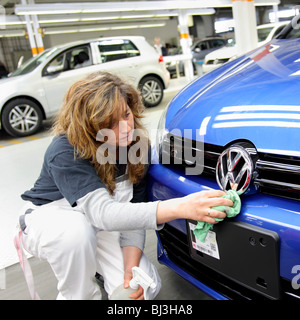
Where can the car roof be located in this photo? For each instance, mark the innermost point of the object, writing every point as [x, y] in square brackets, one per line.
[210, 38]
[80, 42]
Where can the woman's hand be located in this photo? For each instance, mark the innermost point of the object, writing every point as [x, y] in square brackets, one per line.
[131, 257]
[196, 206]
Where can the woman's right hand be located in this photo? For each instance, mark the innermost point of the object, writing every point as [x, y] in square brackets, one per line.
[196, 206]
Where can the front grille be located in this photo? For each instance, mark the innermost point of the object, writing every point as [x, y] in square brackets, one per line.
[274, 174]
[175, 244]
[174, 153]
[279, 175]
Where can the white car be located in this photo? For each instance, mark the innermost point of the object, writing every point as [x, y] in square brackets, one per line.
[265, 33]
[35, 91]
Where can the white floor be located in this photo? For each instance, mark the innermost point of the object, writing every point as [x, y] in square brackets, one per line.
[20, 165]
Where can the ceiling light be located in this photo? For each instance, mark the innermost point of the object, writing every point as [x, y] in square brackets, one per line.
[89, 29]
[58, 20]
[88, 7]
[100, 18]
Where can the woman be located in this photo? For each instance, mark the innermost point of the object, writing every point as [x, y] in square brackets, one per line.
[89, 211]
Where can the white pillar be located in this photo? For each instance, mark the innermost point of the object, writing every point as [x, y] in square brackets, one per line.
[30, 32]
[185, 43]
[245, 25]
[275, 10]
[37, 31]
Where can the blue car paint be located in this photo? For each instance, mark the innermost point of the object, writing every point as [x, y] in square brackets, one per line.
[244, 91]
[230, 90]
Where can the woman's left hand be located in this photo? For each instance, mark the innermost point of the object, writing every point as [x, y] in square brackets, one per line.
[132, 256]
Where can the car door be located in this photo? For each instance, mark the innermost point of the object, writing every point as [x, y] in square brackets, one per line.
[63, 70]
[200, 50]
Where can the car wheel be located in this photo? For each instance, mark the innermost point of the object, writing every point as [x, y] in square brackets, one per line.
[21, 117]
[152, 91]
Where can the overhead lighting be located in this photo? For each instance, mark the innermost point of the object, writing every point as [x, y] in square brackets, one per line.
[99, 18]
[124, 27]
[58, 20]
[88, 7]
[12, 33]
[151, 25]
[33, 11]
[89, 29]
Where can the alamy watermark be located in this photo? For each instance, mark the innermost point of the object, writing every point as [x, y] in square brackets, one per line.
[2, 279]
[296, 278]
[2, 18]
[176, 148]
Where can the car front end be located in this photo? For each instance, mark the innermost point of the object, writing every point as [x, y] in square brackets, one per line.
[236, 127]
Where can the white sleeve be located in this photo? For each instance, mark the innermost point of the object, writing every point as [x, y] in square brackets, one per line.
[107, 214]
[135, 238]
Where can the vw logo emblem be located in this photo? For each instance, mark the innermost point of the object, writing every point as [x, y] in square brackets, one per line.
[234, 169]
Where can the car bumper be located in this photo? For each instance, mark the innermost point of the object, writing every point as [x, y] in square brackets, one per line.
[277, 215]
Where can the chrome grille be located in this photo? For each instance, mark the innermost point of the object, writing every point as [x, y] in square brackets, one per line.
[279, 175]
[274, 174]
[173, 153]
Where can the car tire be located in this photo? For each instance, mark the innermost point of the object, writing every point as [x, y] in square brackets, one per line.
[21, 117]
[152, 91]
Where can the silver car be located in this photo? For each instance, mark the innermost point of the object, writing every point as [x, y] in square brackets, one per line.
[35, 91]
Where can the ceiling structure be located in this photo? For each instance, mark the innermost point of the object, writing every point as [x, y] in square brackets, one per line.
[109, 14]
[106, 15]
[36, 18]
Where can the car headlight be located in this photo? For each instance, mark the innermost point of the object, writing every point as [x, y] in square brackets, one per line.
[161, 132]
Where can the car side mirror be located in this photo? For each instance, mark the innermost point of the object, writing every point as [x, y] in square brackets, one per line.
[54, 69]
[197, 50]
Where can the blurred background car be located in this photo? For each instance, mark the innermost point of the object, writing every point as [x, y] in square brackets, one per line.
[199, 50]
[35, 91]
[236, 127]
[265, 33]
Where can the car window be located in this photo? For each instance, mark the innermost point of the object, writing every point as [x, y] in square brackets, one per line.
[75, 58]
[202, 45]
[214, 43]
[263, 33]
[32, 63]
[80, 57]
[111, 50]
[58, 61]
[278, 31]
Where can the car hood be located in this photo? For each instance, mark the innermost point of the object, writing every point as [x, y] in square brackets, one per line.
[10, 81]
[227, 52]
[254, 98]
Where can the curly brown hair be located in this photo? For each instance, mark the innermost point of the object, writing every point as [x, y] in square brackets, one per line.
[91, 104]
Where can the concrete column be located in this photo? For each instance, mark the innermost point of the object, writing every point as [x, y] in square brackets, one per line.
[37, 30]
[185, 43]
[30, 33]
[245, 25]
[37, 33]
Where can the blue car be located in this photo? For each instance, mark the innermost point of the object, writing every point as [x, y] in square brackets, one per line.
[237, 127]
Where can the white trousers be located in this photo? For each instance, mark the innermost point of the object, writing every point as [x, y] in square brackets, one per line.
[75, 250]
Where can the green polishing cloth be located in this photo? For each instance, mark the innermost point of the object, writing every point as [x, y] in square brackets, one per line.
[202, 227]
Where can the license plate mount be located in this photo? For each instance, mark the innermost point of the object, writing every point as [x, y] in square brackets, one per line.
[247, 254]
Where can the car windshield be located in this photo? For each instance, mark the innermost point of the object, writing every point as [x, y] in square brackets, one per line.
[263, 33]
[32, 63]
